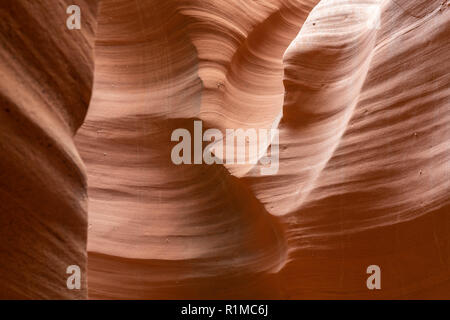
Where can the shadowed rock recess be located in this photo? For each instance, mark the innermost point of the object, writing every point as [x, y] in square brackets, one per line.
[359, 91]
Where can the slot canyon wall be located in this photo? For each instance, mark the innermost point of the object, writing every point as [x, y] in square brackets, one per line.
[46, 77]
[359, 91]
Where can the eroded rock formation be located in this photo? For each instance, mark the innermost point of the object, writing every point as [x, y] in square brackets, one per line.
[359, 91]
[46, 76]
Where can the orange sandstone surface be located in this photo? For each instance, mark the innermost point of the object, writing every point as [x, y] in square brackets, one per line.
[358, 90]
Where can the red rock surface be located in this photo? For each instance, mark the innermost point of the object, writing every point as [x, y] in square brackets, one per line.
[362, 107]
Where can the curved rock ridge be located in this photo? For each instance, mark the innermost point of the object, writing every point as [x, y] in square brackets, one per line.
[196, 220]
[325, 69]
[46, 76]
[243, 86]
